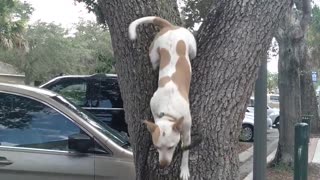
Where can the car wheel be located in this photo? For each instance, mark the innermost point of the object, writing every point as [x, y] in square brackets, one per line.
[246, 133]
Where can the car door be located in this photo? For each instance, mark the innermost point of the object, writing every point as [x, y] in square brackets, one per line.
[112, 168]
[34, 142]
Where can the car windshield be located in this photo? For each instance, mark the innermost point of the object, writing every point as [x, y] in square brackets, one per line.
[102, 127]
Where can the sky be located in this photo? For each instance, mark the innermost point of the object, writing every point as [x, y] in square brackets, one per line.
[66, 13]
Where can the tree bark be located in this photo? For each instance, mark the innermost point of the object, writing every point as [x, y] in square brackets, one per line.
[309, 104]
[291, 37]
[231, 42]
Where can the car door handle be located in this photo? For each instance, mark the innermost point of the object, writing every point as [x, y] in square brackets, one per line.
[5, 161]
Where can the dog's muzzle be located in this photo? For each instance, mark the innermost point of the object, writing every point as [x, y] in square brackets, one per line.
[163, 164]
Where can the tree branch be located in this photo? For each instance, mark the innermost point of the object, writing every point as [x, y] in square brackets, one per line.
[305, 7]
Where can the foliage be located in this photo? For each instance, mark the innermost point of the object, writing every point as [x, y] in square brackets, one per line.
[194, 11]
[54, 50]
[314, 37]
[95, 41]
[272, 82]
[93, 6]
[14, 16]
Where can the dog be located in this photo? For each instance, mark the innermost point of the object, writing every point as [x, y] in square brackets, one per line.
[171, 51]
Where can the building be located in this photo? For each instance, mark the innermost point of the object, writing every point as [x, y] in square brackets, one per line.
[10, 74]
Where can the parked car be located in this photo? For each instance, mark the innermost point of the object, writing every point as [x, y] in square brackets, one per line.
[273, 100]
[99, 94]
[247, 130]
[272, 113]
[45, 136]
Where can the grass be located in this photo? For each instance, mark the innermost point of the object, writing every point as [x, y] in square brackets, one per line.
[244, 146]
[282, 172]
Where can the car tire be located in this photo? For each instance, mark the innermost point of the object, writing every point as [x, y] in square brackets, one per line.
[246, 134]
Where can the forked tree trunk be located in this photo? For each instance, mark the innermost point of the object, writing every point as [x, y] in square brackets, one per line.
[290, 102]
[291, 37]
[231, 42]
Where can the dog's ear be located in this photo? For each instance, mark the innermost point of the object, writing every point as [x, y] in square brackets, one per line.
[177, 126]
[150, 125]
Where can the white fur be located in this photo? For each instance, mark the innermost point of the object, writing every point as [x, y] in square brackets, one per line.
[133, 25]
[168, 99]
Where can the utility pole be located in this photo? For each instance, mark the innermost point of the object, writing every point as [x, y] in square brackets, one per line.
[260, 124]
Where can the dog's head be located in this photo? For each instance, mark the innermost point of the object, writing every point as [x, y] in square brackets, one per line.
[165, 138]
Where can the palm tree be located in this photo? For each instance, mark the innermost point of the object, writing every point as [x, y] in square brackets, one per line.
[14, 16]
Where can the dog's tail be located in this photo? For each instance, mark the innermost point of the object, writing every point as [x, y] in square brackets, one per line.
[149, 19]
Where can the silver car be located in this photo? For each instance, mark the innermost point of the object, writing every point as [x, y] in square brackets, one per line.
[44, 136]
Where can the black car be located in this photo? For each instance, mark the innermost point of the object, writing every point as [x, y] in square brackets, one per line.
[99, 94]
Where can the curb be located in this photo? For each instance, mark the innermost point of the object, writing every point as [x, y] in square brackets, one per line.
[270, 157]
[316, 157]
[245, 155]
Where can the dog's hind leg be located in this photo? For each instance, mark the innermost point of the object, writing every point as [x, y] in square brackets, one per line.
[186, 140]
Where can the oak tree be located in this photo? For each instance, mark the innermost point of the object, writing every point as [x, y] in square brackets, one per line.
[234, 37]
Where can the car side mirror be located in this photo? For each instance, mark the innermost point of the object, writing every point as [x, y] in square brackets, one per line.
[80, 143]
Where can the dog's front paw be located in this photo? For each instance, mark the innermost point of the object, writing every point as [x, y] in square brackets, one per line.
[184, 174]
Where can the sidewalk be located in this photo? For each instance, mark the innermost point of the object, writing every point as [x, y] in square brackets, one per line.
[314, 151]
[314, 155]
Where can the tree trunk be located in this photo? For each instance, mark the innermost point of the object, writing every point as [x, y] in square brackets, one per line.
[291, 37]
[235, 35]
[289, 91]
[136, 78]
[309, 104]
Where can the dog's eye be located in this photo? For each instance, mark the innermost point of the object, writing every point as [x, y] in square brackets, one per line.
[171, 147]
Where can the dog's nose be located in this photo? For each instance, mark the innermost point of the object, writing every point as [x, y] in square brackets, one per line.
[164, 163]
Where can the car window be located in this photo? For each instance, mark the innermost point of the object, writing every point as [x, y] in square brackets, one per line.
[74, 90]
[274, 98]
[110, 96]
[114, 135]
[28, 123]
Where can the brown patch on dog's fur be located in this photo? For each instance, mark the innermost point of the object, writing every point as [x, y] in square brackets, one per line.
[164, 57]
[154, 130]
[182, 76]
[150, 125]
[161, 22]
[165, 26]
[181, 48]
[155, 135]
[163, 81]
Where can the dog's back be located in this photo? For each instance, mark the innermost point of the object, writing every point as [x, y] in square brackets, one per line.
[171, 50]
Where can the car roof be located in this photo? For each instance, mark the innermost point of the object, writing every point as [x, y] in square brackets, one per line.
[77, 76]
[26, 90]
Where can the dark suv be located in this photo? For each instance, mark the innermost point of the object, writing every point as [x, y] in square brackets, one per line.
[99, 94]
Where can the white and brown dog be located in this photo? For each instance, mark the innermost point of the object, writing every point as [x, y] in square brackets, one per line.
[172, 49]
